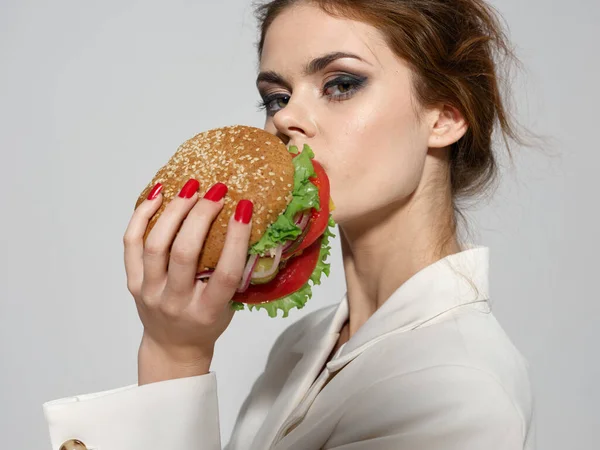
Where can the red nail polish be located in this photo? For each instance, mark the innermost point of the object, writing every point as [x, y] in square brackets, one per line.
[190, 188]
[243, 211]
[155, 191]
[216, 193]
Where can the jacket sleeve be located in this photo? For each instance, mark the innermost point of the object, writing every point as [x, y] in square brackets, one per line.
[180, 413]
[439, 408]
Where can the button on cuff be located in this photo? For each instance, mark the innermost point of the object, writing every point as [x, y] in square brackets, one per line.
[73, 444]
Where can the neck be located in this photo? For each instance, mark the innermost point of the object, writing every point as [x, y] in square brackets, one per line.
[382, 252]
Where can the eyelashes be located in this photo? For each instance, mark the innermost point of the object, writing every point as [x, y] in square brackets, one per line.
[271, 101]
[339, 89]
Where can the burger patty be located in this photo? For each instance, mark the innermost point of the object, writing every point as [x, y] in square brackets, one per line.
[254, 164]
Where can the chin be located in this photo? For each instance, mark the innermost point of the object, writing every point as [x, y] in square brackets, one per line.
[339, 217]
[335, 214]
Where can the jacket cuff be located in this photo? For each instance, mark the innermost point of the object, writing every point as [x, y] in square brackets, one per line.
[179, 413]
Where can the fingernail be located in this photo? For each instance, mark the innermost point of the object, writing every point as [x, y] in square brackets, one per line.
[216, 193]
[190, 188]
[243, 211]
[155, 191]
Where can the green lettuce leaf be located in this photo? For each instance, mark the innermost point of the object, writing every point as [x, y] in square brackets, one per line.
[299, 298]
[305, 195]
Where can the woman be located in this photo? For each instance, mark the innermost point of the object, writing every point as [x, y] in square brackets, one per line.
[399, 100]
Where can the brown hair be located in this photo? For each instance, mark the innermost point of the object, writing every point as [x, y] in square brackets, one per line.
[454, 48]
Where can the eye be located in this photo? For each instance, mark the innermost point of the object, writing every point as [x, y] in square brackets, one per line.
[273, 103]
[343, 87]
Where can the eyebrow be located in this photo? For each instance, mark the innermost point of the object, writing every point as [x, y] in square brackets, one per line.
[314, 66]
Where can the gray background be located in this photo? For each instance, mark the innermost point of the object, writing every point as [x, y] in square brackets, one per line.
[94, 98]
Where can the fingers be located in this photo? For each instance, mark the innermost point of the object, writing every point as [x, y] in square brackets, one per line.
[227, 276]
[160, 239]
[168, 261]
[183, 263]
[133, 240]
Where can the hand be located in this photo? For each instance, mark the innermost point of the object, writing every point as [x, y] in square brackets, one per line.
[182, 317]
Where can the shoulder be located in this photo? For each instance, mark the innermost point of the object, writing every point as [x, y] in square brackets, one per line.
[464, 363]
[436, 407]
[462, 387]
[467, 338]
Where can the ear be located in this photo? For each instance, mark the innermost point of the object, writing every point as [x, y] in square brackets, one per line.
[448, 126]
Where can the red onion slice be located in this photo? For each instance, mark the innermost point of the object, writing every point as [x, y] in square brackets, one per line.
[252, 260]
[301, 222]
[287, 245]
[274, 266]
[304, 221]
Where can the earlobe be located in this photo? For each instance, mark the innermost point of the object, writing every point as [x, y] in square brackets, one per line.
[449, 126]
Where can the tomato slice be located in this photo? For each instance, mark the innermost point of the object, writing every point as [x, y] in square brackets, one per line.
[289, 279]
[318, 219]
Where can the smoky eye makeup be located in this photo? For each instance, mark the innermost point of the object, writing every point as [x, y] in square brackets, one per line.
[343, 86]
[339, 87]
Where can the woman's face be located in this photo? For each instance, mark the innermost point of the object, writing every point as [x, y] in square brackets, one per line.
[335, 85]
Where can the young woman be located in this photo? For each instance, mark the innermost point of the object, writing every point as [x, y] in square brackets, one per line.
[399, 100]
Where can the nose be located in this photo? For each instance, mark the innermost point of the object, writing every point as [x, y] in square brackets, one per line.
[294, 123]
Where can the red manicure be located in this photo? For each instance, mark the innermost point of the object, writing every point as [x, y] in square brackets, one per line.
[155, 191]
[190, 188]
[216, 193]
[243, 211]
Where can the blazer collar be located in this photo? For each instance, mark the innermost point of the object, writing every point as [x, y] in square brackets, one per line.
[458, 279]
[432, 291]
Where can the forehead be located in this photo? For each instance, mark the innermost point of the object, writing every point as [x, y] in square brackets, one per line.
[303, 32]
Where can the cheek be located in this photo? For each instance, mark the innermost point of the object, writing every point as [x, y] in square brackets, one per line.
[379, 156]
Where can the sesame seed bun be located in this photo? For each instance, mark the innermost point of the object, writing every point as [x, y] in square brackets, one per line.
[254, 164]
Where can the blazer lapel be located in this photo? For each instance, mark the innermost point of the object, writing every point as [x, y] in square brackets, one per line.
[314, 348]
[457, 280]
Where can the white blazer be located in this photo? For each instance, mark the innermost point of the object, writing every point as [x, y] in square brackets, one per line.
[431, 370]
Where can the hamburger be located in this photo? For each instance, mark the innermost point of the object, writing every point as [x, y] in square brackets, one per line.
[291, 224]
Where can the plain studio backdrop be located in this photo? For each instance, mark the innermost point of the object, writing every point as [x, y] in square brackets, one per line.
[96, 96]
